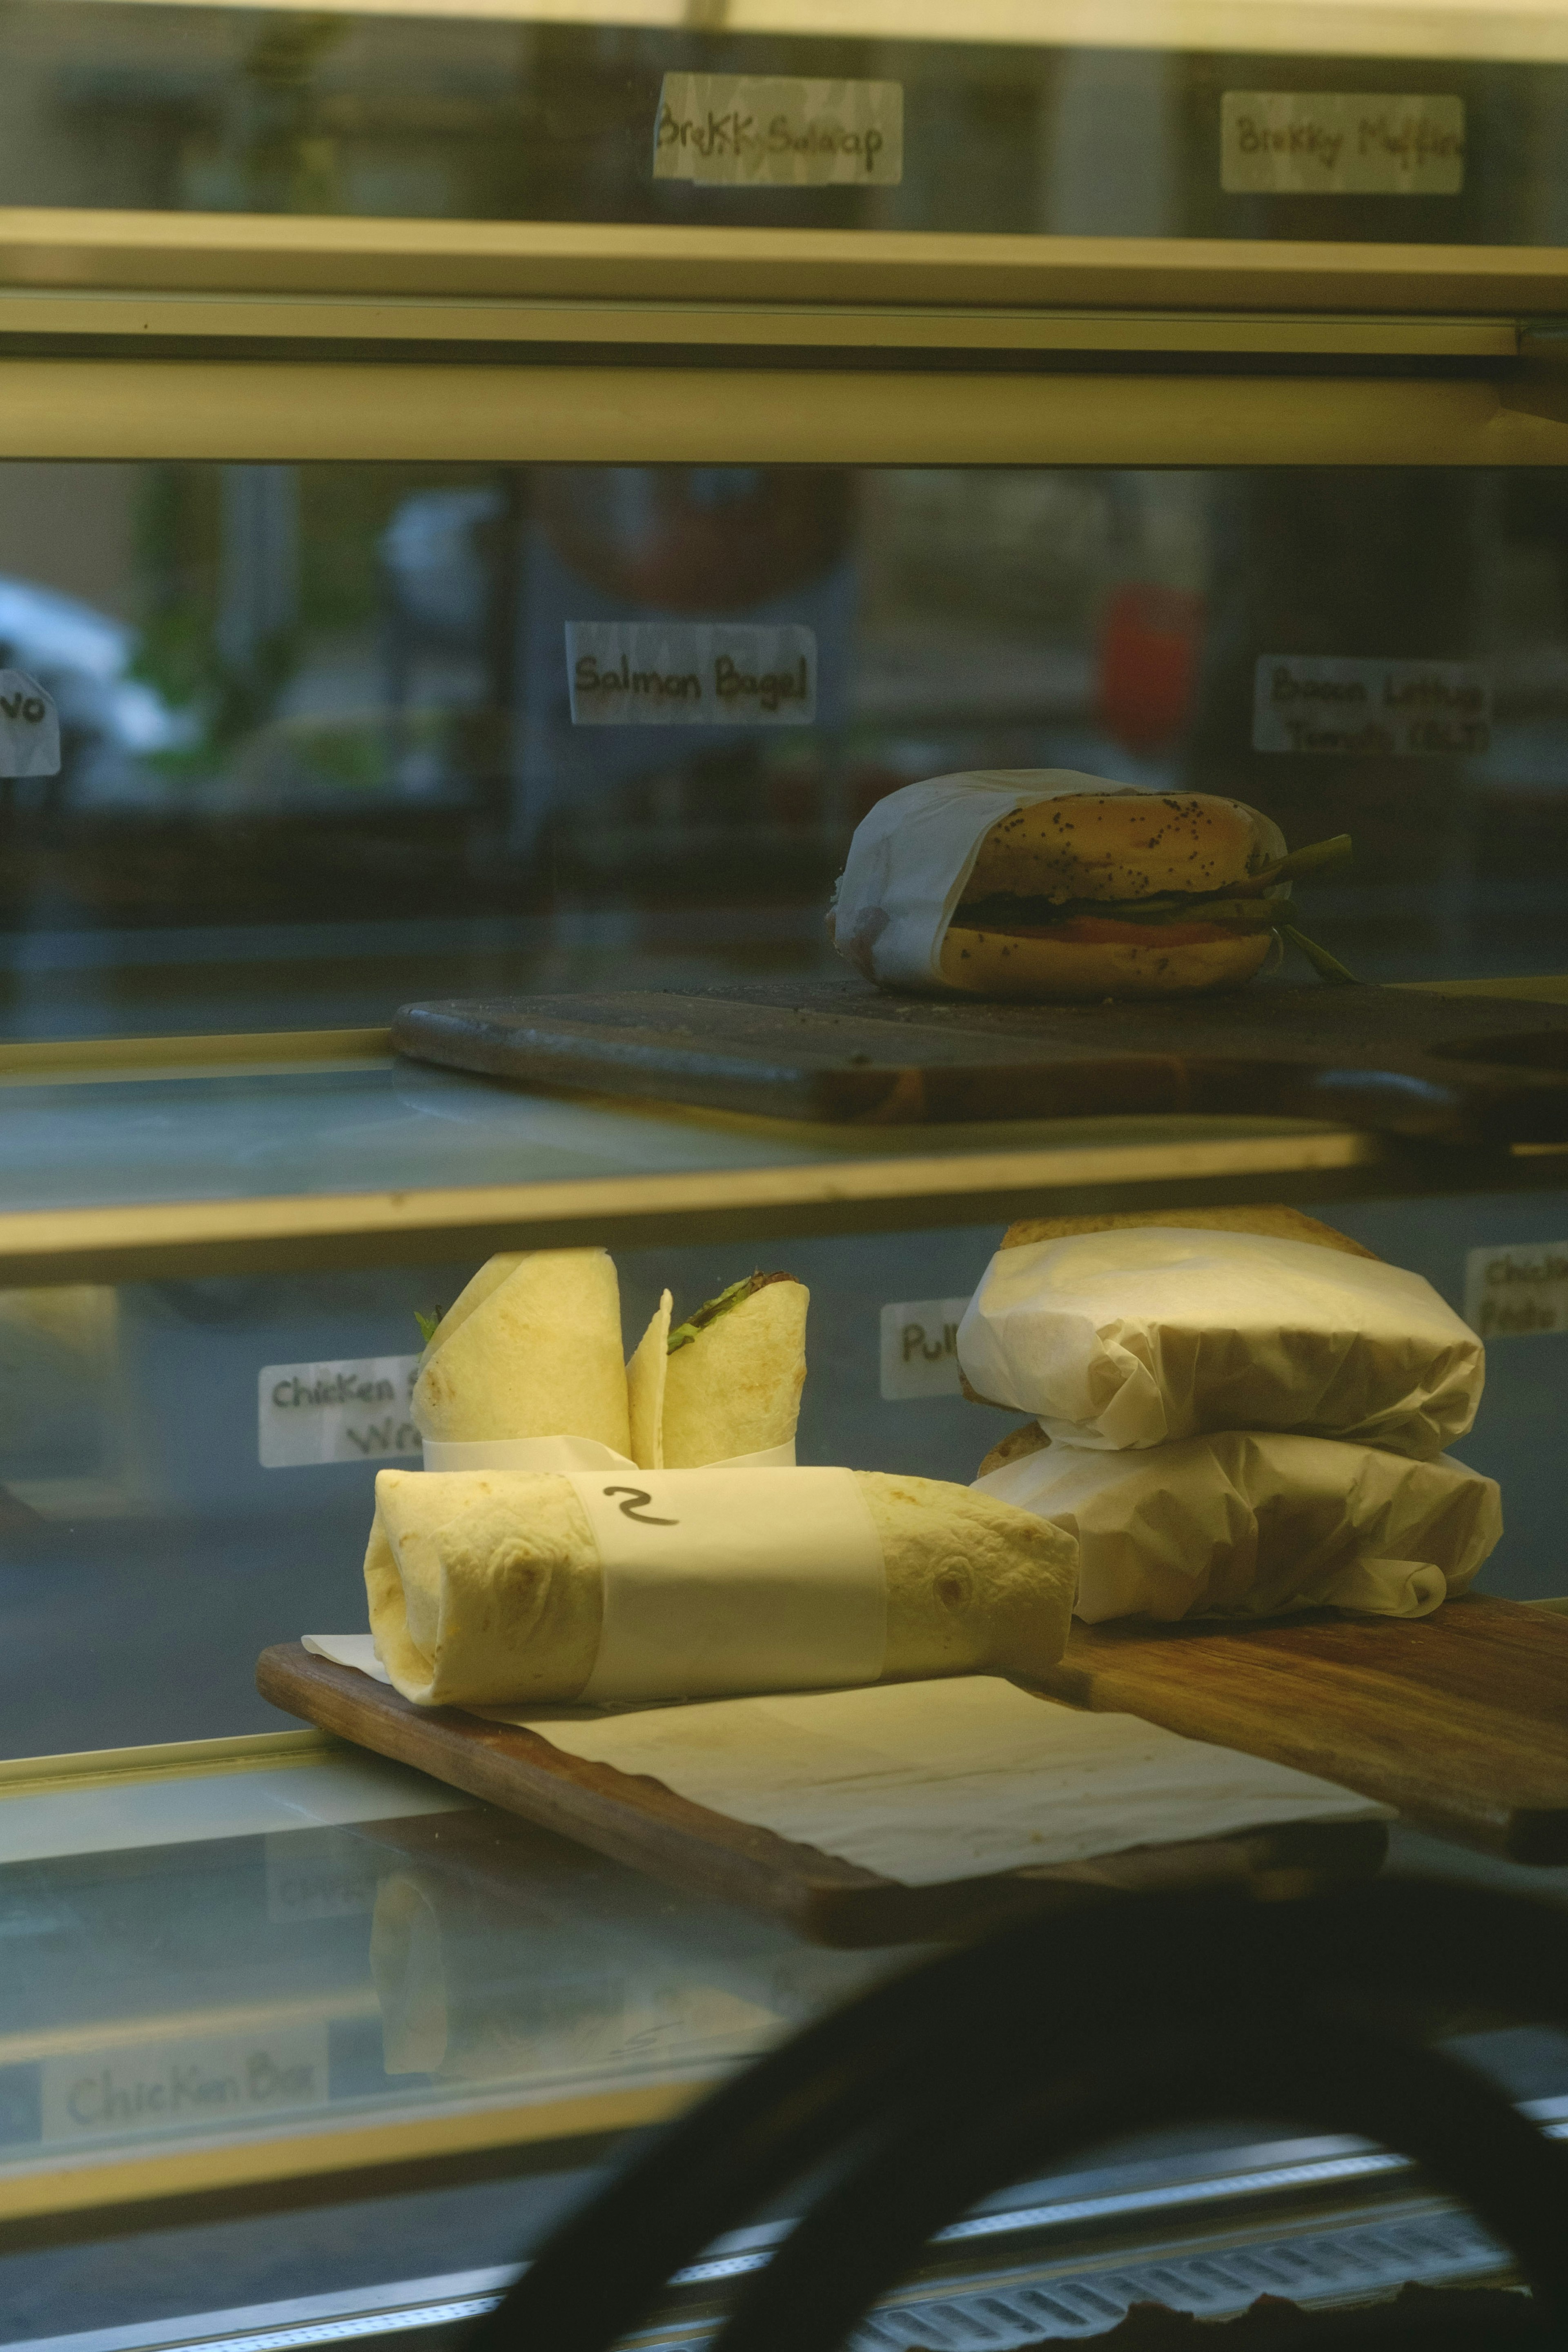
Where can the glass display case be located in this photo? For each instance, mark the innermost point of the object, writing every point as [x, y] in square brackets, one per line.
[1174, 395]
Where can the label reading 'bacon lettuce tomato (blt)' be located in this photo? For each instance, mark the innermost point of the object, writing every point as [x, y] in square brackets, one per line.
[1359, 708]
[776, 130]
[690, 674]
[1299, 142]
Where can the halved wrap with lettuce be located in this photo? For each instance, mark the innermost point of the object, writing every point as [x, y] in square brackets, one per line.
[726, 1381]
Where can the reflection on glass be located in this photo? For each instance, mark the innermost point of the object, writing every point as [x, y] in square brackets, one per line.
[319, 757]
[224, 108]
[161, 1994]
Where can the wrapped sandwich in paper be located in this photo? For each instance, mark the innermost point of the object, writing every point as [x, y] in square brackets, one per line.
[1135, 1335]
[494, 1588]
[532, 1349]
[724, 1385]
[1257, 1523]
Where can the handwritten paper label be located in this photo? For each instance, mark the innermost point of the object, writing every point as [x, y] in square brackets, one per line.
[919, 1349]
[1519, 1291]
[216, 2079]
[1400, 709]
[773, 132]
[1289, 142]
[717, 1582]
[356, 1411]
[690, 674]
[29, 727]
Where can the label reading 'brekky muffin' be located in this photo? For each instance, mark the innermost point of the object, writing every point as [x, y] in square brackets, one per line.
[1299, 142]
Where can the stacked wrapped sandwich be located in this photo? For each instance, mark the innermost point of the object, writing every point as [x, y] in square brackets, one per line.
[586, 1528]
[1238, 1412]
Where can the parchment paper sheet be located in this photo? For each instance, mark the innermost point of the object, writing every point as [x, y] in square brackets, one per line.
[930, 1781]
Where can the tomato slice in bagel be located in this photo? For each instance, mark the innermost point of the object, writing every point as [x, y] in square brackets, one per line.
[1104, 930]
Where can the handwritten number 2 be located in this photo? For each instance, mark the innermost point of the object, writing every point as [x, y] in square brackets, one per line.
[636, 1507]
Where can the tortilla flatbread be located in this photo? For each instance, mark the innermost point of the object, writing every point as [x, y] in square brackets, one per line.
[530, 1349]
[735, 1388]
[645, 1388]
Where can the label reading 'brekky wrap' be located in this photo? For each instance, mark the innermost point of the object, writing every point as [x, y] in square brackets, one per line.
[719, 1581]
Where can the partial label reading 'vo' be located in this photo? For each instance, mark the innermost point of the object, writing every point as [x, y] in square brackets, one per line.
[29, 727]
[353, 1412]
[1386, 710]
[689, 674]
[774, 130]
[1300, 142]
[919, 1349]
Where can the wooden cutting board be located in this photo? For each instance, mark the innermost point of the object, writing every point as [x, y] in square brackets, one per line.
[1460, 1719]
[639, 1820]
[1403, 1061]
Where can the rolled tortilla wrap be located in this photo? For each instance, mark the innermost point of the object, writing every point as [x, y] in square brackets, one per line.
[530, 1349]
[485, 1586]
[645, 1388]
[733, 1387]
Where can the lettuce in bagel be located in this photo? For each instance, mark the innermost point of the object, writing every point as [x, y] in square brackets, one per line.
[1114, 894]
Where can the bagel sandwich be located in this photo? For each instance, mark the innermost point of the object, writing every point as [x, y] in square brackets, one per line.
[1098, 894]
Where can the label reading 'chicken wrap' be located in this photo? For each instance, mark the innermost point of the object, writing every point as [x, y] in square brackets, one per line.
[719, 1582]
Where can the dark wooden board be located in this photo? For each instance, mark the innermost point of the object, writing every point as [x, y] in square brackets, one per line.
[1403, 1061]
[638, 1820]
[1460, 1719]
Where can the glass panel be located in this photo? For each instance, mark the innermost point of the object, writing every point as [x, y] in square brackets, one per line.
[195, 2001]
[1448, 126]
[176, 1496]
[319, 755]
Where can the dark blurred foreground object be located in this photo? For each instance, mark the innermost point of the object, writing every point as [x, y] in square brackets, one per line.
[1012, 2054]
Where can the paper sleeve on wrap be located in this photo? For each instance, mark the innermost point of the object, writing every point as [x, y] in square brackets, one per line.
[560, 1453]
[1144, 1334]
[719, 1582]
[1258, 1523]
[911, 855]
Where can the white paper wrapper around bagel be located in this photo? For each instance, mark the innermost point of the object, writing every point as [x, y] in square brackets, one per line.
[912, 855]
[1145, 1334]
[1258, 1523]
[530, 1349]
[491, 1588]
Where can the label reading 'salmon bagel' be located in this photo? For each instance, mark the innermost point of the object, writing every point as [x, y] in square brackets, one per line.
[690, 674]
